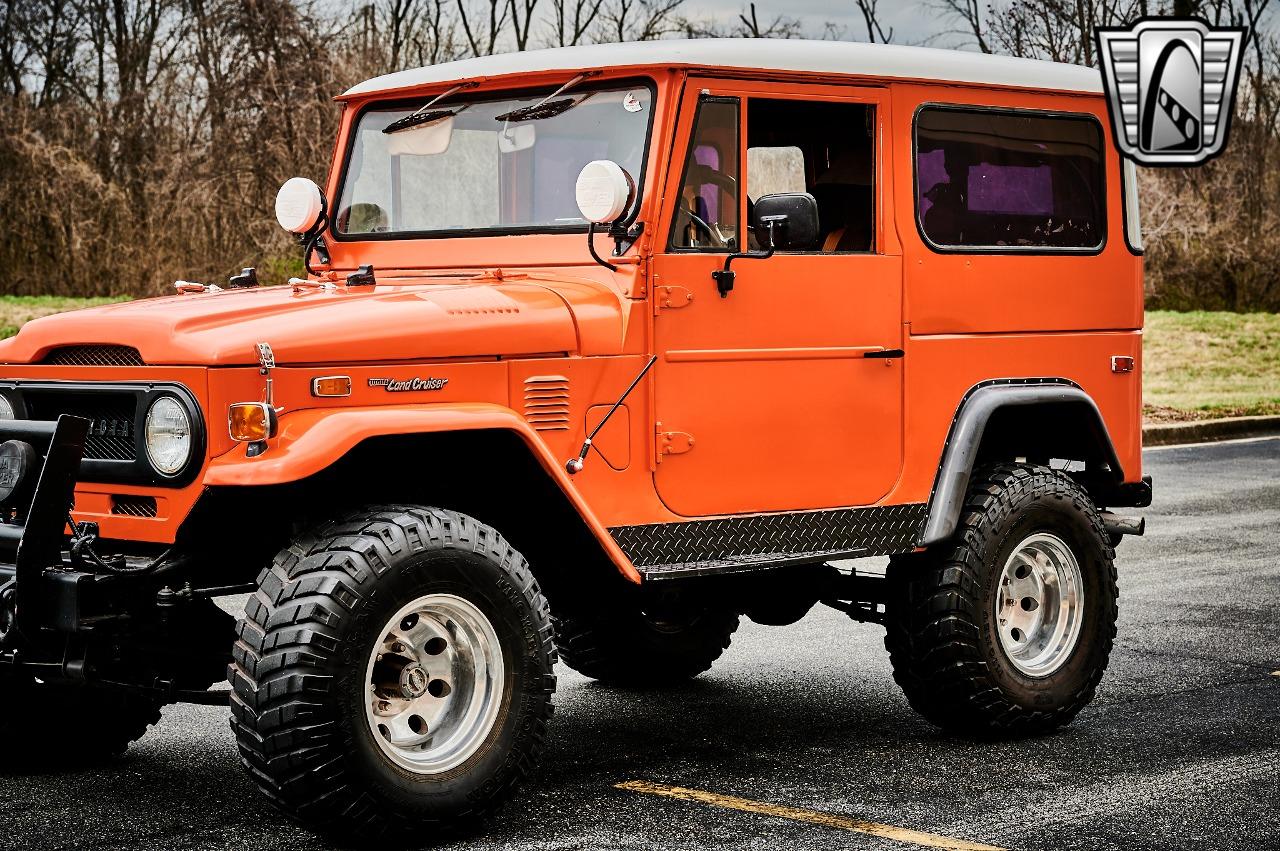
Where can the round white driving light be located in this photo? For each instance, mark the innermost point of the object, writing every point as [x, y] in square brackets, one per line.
[299, 204]
[168, 435]
[6, 409]
[604, 191]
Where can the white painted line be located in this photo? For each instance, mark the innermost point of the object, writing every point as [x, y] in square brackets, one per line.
[1212, 443]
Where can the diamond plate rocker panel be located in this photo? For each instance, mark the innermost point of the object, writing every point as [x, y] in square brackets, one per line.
[878, 530]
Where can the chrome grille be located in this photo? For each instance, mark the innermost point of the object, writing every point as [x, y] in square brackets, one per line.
[133, 506]
[94, 356]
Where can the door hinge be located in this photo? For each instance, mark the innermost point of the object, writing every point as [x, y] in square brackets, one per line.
[670, 296]
[672, 442]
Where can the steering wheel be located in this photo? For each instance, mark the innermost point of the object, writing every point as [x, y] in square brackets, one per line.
[705, 229]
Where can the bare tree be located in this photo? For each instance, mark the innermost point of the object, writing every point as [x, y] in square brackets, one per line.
[870, 15]
[638, 20]
[969, 12]
[483, 29]
[571, 20]
[779, 27]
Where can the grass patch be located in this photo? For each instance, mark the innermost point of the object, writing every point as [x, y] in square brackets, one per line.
[1204, 364]
[1197, 365]
[18, 310]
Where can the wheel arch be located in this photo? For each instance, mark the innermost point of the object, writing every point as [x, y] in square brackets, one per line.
[1037, 419]
[482, 460]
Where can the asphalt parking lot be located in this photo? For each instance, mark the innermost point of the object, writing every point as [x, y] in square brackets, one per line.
[1180, 750]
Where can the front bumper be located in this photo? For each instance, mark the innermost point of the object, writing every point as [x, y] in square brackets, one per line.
[33, 531]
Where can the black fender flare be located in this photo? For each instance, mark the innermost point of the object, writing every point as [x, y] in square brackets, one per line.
[977, 407]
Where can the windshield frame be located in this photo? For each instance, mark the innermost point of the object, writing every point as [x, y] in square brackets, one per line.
[415, 102]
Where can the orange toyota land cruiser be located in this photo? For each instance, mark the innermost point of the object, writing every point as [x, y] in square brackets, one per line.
[600, 349]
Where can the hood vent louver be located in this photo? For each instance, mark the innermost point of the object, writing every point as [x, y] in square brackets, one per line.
[93, 356]
[546, 402]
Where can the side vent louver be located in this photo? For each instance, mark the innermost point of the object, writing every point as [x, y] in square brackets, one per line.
[546, 402]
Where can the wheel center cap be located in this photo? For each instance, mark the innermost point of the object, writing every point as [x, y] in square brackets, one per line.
[413, 681]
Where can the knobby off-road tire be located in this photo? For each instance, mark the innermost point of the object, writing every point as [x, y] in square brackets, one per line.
[310, 660]
[946, 606]
[627, 645]
[34, 718]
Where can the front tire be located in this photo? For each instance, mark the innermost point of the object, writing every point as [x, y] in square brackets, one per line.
[393, 671]
[1006, 628]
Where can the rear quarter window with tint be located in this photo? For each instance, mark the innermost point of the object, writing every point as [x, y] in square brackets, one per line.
[1009, 180]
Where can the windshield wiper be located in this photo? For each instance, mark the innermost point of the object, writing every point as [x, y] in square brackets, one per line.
[421, 116]
[547, 107]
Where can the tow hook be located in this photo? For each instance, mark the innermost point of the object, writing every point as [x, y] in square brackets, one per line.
[1116, 525]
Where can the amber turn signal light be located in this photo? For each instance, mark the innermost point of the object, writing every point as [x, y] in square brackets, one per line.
[331, 385]
[251, 421]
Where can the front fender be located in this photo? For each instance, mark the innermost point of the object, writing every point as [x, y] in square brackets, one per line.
[311, 440]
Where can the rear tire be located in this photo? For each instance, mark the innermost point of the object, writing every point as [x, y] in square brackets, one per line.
[393, 672]
[32, 712]
[1007, 627]
[633, 645]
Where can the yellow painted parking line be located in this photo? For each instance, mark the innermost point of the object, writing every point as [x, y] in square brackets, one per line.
[884, 831]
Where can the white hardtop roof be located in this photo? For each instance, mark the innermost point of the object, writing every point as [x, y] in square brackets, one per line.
[819, 57]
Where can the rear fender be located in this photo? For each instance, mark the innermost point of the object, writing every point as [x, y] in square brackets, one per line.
[980, 429]
[312, 440]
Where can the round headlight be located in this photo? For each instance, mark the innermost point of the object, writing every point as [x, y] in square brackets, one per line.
[6, 409]
[168, 434]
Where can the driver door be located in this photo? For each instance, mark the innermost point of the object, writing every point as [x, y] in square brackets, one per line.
[764, 397]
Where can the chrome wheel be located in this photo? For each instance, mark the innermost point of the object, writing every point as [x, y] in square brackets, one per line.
[435, 682]
[1039, 605]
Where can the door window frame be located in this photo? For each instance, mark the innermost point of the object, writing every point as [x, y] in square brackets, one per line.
[876, 96]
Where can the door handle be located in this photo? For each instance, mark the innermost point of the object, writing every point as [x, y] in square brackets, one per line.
[886, 353]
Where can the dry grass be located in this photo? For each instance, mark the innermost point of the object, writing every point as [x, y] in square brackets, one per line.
[16, 311]
[1197, 364]
[1211, 364]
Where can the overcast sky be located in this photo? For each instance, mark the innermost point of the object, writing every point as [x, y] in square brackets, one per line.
[912, 23]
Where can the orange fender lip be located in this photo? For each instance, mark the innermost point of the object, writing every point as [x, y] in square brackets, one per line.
[312, 439]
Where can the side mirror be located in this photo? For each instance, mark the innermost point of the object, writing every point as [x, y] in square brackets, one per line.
[787, 221]
[299, 205]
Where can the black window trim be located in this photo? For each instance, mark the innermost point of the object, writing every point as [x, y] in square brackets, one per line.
[331, 228]
[684, 174]
[1024, 250]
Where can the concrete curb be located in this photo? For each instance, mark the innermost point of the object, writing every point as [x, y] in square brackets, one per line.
[1203, 431]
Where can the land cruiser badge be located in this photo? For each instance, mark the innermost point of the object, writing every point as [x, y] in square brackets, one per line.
[392, 385]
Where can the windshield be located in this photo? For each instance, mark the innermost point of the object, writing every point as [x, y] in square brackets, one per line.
[487, 164]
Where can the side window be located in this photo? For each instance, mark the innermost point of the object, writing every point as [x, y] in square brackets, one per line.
[707, 210]
[821, 147]
[1008, 180]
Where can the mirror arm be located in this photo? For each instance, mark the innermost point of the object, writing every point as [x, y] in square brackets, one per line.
[591, 246]
[625, 234]
[724, 277]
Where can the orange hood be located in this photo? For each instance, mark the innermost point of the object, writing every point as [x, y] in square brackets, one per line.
[400, 319]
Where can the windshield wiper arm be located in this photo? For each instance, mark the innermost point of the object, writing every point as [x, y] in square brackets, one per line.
[547, 107]
[421, 116]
